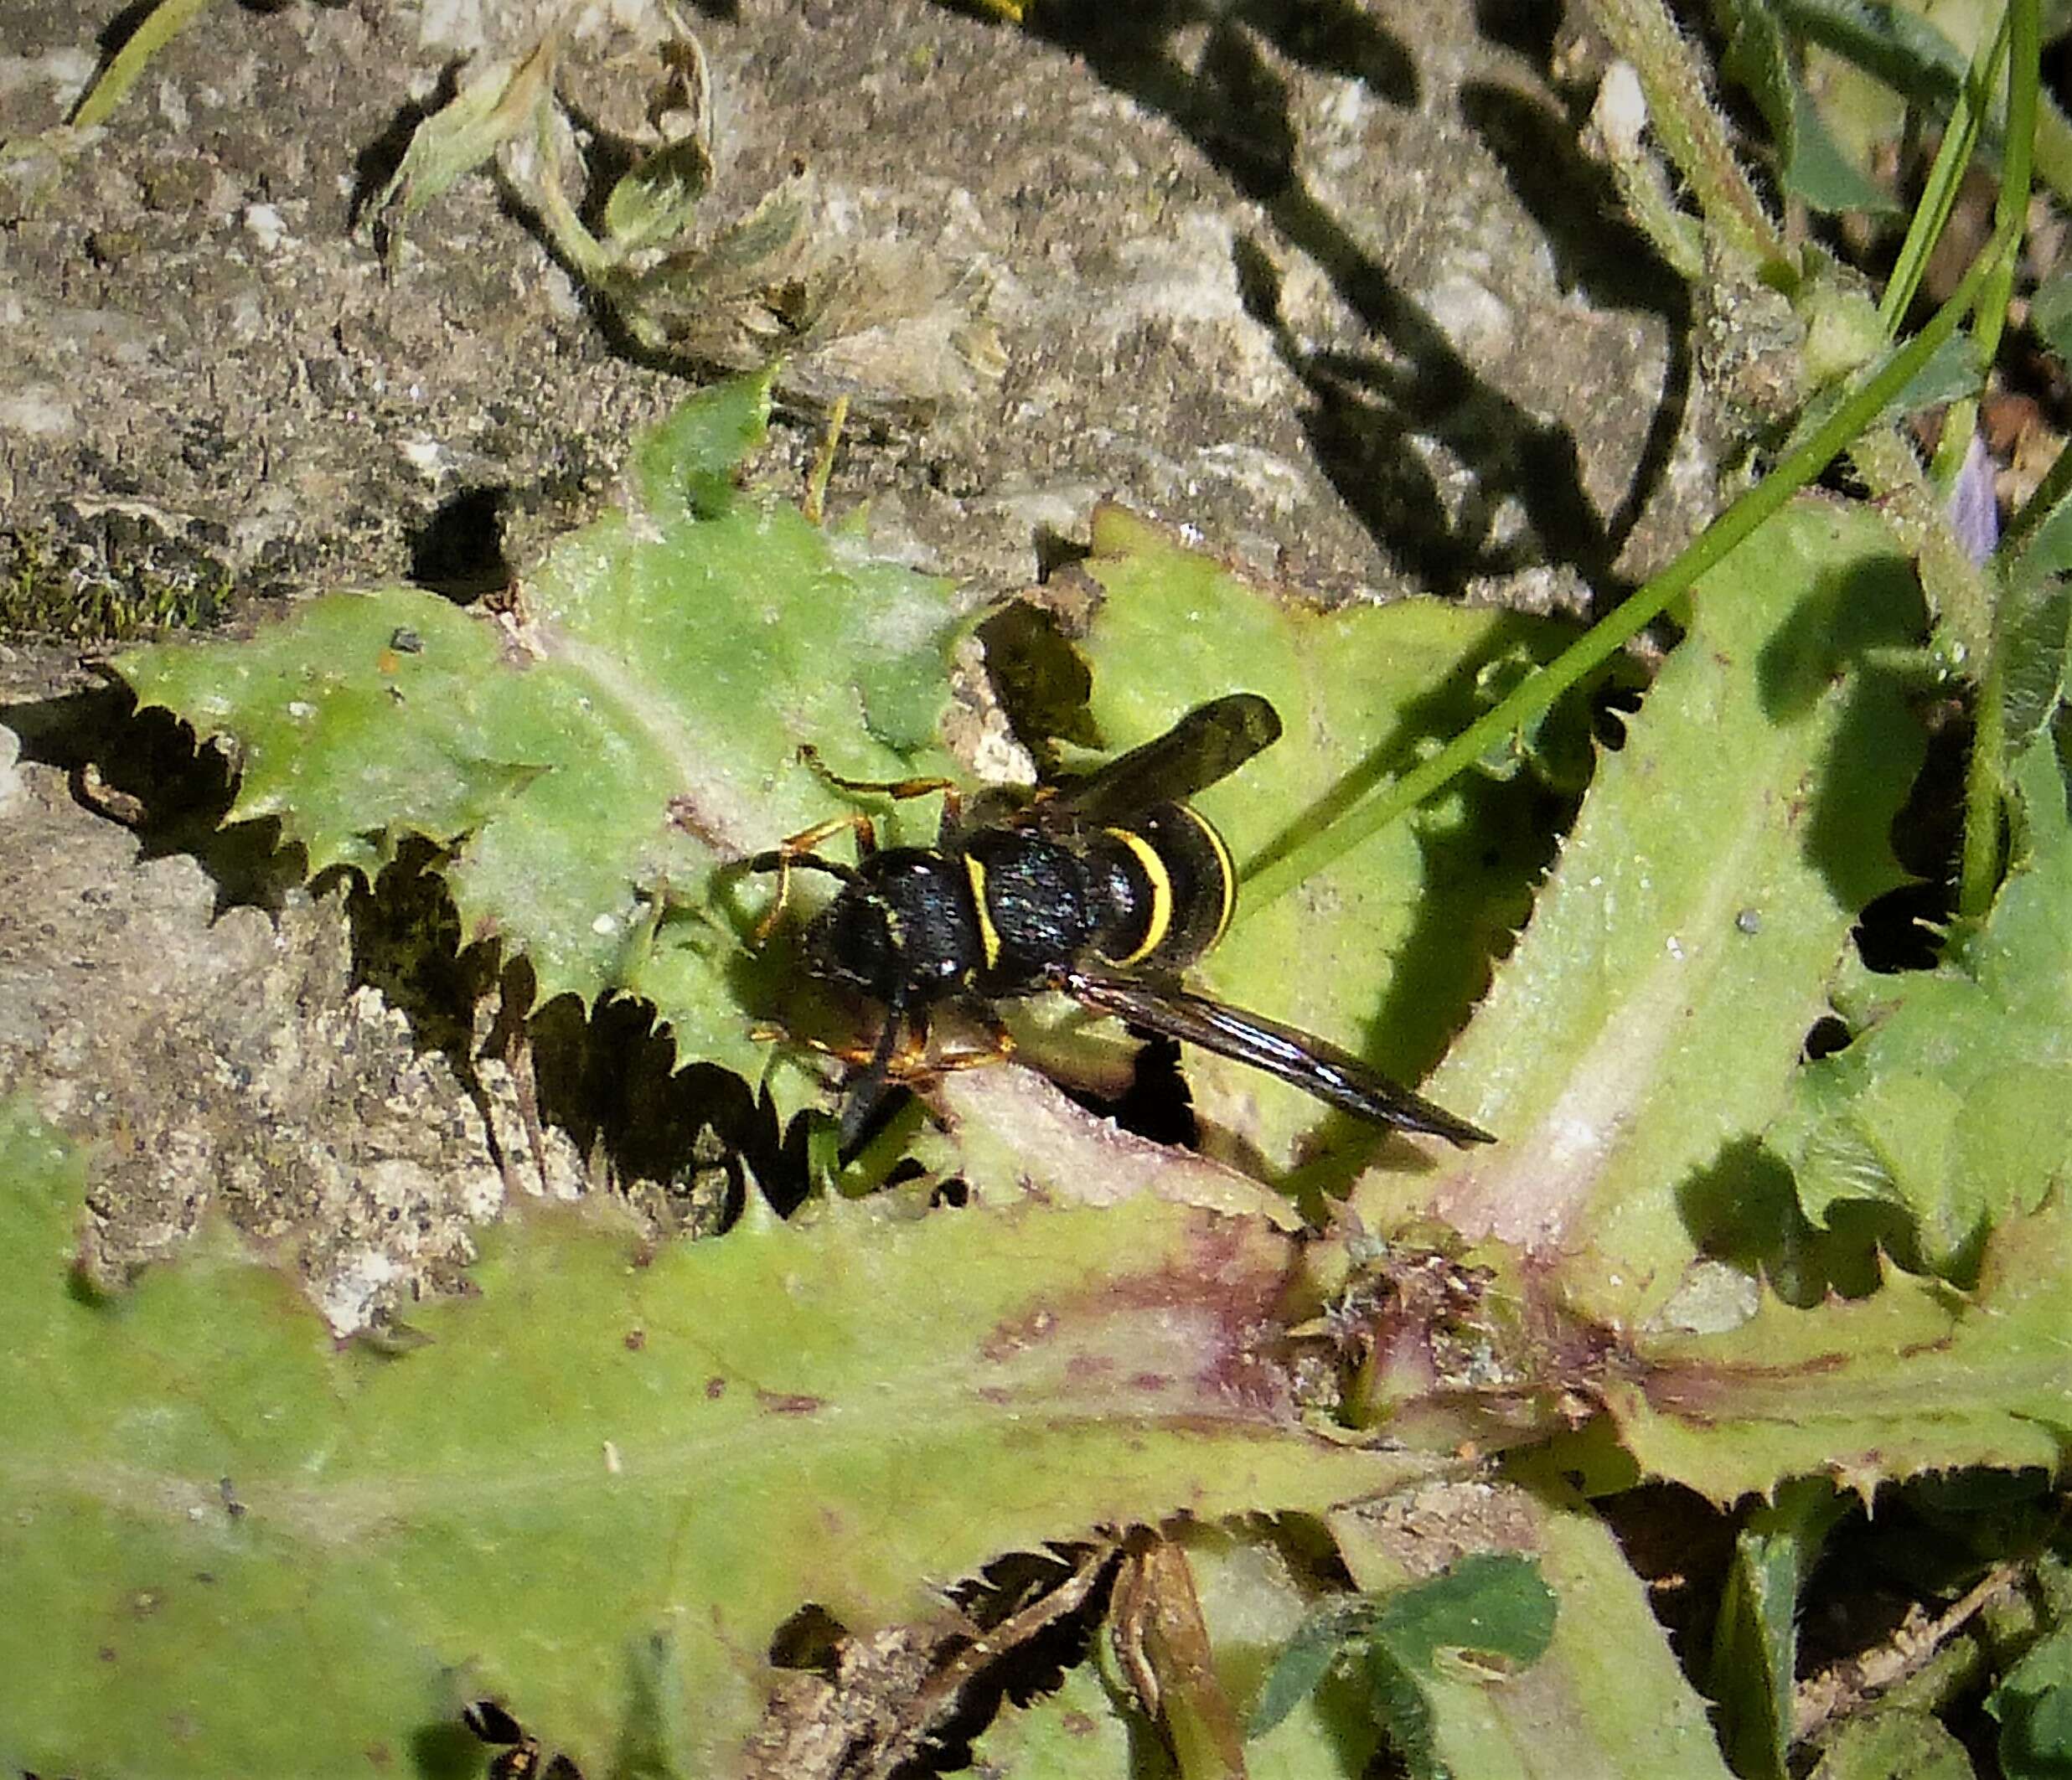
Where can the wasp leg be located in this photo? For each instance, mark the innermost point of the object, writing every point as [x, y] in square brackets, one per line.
[910, 1061]
[998, 1048]
[897, 789]
[795, 854]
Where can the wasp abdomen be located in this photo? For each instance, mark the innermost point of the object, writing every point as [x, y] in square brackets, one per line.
[1165, 887]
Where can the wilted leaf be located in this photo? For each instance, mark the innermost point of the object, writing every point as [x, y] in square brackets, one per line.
[467, 131]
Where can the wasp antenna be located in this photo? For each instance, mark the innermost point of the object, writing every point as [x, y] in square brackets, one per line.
[867, 1090]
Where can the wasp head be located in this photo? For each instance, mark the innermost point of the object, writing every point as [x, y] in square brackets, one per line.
[851, 942]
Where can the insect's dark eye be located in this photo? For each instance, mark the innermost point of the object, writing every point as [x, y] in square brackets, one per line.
[851, 940]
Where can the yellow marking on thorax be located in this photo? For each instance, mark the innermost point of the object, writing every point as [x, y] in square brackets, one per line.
[1224, 864]
[989, 934]
[1160, 919]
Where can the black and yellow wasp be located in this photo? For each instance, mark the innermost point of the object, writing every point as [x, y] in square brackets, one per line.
[1105, 887]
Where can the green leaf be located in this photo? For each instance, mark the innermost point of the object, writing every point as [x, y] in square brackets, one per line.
[2034, 1707]
[594, 761]
[1485, 1618]
[1954, 1105]
[1401, 1708]
[1384, 953]
[1605, 1697]
[1754, 1655]
[1915, 1378]
[598, 1488]
[2050, 314]
[1490, 1611]
[1305, 1659]
[2035, 620]
[1812, 164]
[1074, 1733]
[1953, 373]
[157, 27]
[1897, 43]
[1890, 1744]
[1650, 1023]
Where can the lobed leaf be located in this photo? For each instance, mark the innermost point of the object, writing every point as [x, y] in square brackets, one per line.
[1917, 1377]
[594, 761]
[1651, 1023]
[600, 1487]
[1954, 1103]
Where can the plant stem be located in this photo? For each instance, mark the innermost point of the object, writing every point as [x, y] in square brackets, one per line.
[1945, 177]
[1296, 856]
[1985, 776]
[1690, 128]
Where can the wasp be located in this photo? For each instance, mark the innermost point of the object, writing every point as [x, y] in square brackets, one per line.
[1105, 887]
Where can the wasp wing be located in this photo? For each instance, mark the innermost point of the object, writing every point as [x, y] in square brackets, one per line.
[1207, 745]
[1336, 1077]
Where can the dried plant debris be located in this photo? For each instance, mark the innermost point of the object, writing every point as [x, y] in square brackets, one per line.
[690, 278]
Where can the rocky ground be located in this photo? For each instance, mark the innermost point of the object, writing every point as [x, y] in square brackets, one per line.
[1332, 286]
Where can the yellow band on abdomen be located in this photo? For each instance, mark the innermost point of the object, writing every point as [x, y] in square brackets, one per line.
[989, 934]
[1159, 919]
[1226, 867]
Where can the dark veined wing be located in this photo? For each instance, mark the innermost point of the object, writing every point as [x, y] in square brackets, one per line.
[1207, 745]
[1334, 1077]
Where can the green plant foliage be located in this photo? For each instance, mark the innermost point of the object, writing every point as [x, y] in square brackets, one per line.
[1604, 1696]
[1954, 1104]
[1812, 164]
[2050, 315]
[1916, 1377]
[2034, 1707]
[1385, 952]
[599, 1486]
[1650, 1023]
[1253, 1603]
[1754, 1655]
[1311, 1649]
[1889, 1745]
[592, 761]
[1074, 1733]
[1489, 1615]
